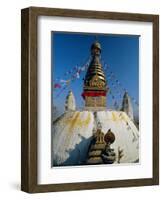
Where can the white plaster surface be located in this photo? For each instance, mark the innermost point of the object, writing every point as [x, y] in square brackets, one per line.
[72, 133]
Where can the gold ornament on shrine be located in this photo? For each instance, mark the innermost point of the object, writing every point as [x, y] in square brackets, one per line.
[96, 82]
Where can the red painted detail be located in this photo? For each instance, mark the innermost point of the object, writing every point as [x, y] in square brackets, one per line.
[93, 94]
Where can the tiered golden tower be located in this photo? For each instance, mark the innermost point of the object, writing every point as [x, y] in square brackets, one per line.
[95, 86]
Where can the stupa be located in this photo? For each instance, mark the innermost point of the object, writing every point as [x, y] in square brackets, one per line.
[70, 103]
[73, 132]
[97, 146]
[95, 87]
[127, 106]
[100, 151]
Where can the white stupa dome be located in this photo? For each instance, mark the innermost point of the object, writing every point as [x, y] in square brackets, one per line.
[72, 133]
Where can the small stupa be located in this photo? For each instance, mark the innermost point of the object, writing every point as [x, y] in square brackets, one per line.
[70, 104]
[127, 106]
[97, 146]
[100, 151]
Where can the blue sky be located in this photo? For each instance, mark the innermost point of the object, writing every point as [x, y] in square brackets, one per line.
[120, 52]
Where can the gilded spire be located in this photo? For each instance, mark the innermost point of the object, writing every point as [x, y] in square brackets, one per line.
[95, 86]
[95, 78]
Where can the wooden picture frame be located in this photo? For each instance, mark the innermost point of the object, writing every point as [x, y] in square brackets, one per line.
[29, 112]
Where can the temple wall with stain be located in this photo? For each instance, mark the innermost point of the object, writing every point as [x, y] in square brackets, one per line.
[73, 132]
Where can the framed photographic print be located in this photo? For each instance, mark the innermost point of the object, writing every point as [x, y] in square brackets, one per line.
[90, 100]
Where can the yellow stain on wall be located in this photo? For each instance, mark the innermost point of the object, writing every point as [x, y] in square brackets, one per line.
[76, 121]
[123, 117]
[114, 117]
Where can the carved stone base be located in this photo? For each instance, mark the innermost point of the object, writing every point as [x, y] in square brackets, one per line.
[95, 101]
